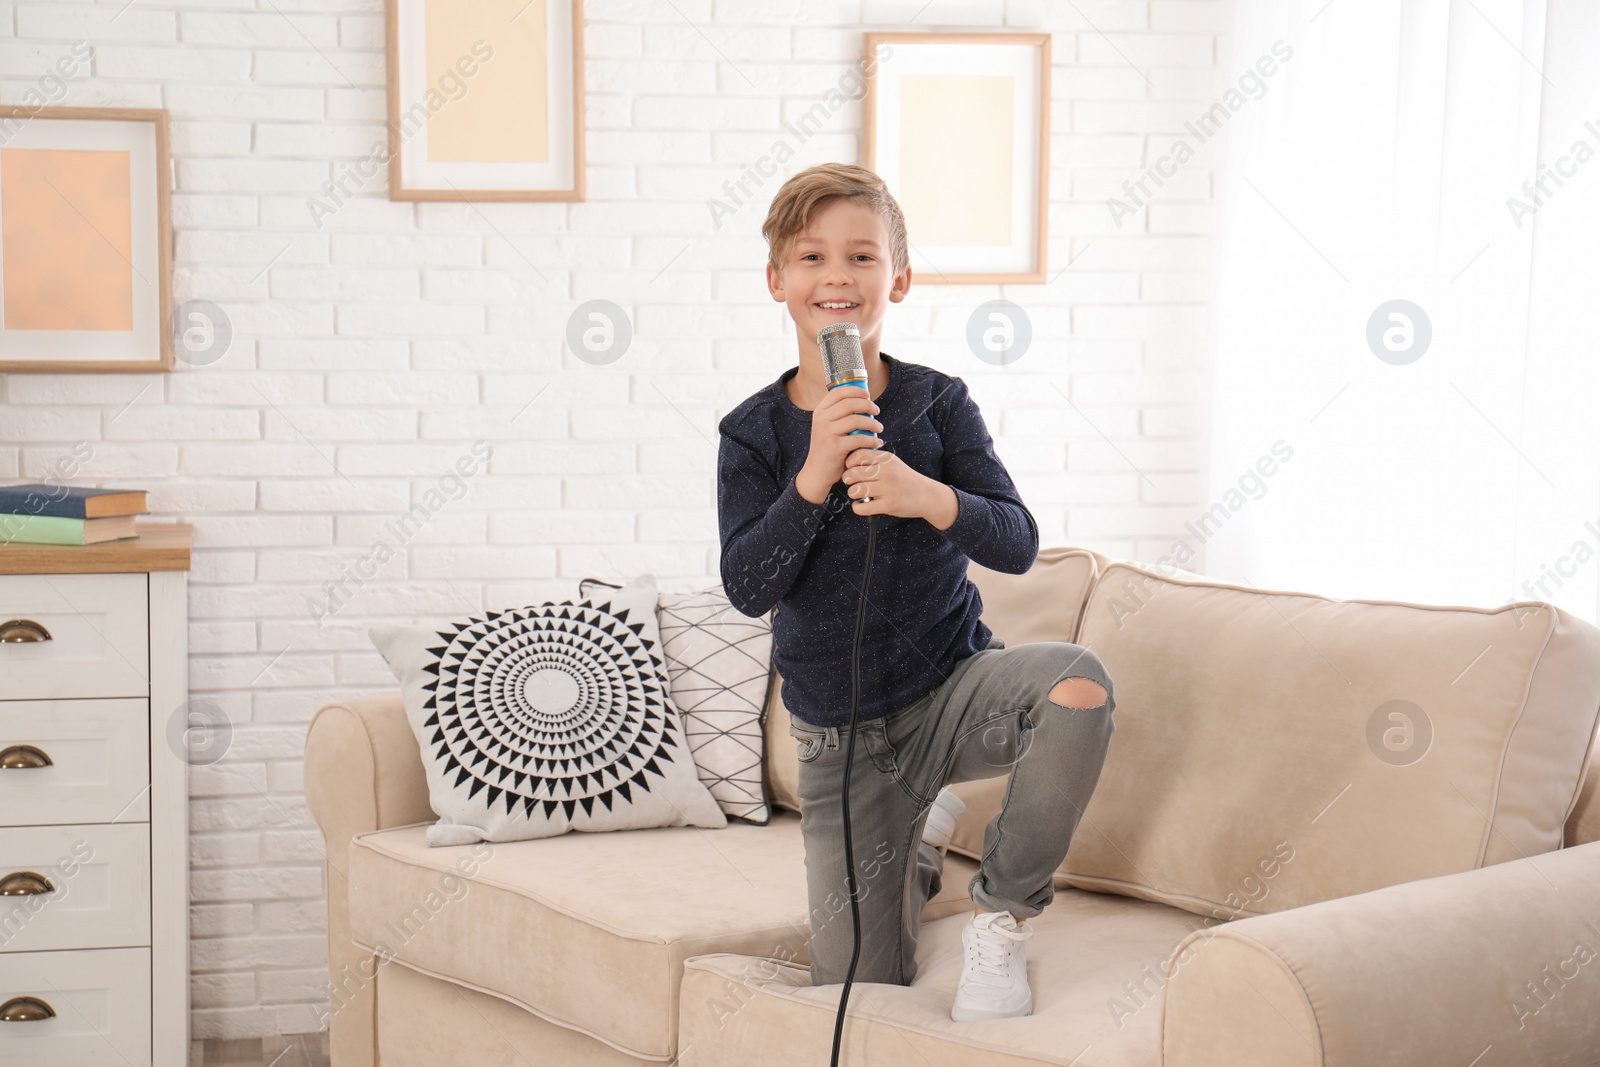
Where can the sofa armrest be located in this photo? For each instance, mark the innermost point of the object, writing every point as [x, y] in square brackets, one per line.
[1495, 967]
[363, 771]
[363, 767]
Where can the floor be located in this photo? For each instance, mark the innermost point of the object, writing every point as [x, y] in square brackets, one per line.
[293, 1050]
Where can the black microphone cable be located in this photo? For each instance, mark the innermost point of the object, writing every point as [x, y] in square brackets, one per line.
[839, 347]
[849, 762]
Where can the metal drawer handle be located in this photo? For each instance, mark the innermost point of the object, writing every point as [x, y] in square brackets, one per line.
[25, 1010]
[25, 884]
[21, 757]
[22, 632]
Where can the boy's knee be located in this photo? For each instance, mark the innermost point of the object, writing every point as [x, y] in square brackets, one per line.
[1078, 693]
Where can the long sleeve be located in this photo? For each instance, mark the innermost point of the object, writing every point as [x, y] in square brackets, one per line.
[993, 527]
[766, 528]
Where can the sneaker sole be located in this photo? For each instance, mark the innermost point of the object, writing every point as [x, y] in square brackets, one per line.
[974, 1015]
[940, 828]
[939, 832]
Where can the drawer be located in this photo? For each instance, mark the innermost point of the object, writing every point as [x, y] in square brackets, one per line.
[98, 768]
[98, 636]
[100, 1001]
[85, 886]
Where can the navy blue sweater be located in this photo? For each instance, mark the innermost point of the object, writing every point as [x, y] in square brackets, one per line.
[780, 550]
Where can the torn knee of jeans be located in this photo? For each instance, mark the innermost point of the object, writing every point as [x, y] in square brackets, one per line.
[1078, 693]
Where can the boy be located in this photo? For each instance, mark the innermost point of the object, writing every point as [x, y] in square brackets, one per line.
[941, 700]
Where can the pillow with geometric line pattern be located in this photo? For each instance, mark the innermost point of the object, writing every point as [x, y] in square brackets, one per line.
[539, 720]
[719, 663]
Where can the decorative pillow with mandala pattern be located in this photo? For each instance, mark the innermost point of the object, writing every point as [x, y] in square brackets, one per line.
[719, 664]
[540, 720]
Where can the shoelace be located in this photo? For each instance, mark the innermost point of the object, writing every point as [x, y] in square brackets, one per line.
[991, 944]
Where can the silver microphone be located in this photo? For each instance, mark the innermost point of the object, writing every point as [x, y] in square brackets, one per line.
[842, 362]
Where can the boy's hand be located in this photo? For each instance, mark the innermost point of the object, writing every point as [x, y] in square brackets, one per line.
[832, 443]
[895, 488]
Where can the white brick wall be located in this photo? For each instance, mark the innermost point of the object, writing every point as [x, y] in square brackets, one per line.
[375, 349]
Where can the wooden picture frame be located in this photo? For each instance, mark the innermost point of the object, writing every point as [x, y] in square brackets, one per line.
[97, 181]
[958, 126]
[521, 136]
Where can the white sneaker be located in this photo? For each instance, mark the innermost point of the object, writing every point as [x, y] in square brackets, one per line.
[942, 816]
[994, 976]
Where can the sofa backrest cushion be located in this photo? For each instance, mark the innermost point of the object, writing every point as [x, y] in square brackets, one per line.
[1043, 604]
[1275, 749]
[1046, 602]
[1583, 825]
[783, 751]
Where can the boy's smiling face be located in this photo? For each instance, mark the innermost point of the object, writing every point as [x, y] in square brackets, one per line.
[842, 257]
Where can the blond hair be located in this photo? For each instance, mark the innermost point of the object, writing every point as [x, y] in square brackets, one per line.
[807, 192]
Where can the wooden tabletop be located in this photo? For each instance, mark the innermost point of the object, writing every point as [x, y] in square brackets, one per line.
[160, 546]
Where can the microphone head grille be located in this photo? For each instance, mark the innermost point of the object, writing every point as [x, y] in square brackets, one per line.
[840, 346]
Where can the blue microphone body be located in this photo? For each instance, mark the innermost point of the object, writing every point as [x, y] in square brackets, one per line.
[842, 362]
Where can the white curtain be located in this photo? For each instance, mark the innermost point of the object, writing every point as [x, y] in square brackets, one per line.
[1386, 161]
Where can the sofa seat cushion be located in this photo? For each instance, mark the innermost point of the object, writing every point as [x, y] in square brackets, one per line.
[425, 1021]
[1095, 965]
[590, 930]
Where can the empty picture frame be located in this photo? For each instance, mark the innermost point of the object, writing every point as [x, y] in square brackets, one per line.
[485, 99]
[85, 240]
[958, 126]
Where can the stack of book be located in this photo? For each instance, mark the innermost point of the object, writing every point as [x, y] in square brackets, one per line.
[64, 515]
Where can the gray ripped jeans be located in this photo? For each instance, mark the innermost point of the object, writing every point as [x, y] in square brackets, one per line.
[991, 716]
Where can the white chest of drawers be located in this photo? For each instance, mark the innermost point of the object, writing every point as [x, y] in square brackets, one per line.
[94, 806]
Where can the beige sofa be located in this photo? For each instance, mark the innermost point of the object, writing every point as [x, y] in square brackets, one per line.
[1327, 833]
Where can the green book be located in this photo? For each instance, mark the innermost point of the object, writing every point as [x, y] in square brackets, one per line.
[56, 530]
